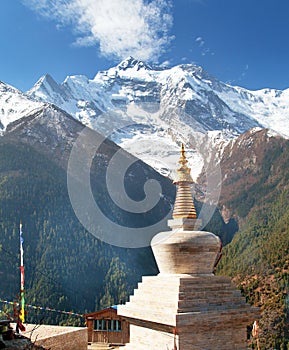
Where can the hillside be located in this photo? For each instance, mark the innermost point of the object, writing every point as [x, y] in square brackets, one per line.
[66, 267]
[258, 256]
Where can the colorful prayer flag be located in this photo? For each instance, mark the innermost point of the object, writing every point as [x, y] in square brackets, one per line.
[22, 295]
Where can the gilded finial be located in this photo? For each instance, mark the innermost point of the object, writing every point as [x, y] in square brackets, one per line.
[184, 207]
[183, 172]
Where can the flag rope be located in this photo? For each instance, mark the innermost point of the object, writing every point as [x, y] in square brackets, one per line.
[42, 308]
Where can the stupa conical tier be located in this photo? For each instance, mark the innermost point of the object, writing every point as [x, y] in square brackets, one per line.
[187, 307]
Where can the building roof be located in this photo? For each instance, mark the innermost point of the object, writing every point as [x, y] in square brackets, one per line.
[112, 309]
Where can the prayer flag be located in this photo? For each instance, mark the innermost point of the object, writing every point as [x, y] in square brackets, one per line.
[22, 297]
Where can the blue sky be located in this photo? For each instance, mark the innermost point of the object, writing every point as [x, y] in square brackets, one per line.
[242, 42]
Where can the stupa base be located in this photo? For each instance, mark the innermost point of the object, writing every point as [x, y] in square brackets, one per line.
[189, 312]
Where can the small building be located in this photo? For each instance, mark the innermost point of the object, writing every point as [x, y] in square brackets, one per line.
[106, 326]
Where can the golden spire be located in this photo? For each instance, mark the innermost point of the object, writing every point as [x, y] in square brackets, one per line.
[184, 172]
[184, 207]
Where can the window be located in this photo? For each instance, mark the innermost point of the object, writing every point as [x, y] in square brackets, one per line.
[109, 325]
[118, 325]
[100, 325]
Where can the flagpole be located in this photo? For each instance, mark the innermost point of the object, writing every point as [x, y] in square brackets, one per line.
[22, 295]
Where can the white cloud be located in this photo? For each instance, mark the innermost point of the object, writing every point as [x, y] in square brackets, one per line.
[165, 64]
[119, 27]
[200, 41]
[202, 45]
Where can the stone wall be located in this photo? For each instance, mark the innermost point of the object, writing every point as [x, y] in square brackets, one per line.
[145, 338]
[59, 338]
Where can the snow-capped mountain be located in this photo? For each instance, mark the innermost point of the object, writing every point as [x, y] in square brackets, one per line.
[15, 105]
[149, 111]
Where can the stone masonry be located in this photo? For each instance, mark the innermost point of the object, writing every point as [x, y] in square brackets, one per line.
[58, 338]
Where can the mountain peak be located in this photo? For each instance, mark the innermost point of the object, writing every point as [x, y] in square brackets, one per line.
[131, 62]
[46, 86]
[4, 87]
[46, 80]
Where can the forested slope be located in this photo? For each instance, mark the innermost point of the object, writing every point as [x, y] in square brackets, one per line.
[65, 266]
[258, 256]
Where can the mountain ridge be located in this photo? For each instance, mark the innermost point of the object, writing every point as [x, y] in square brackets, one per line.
[157, 108]
[165, 107]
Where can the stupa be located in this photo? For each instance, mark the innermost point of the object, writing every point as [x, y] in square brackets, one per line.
[187, 307]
